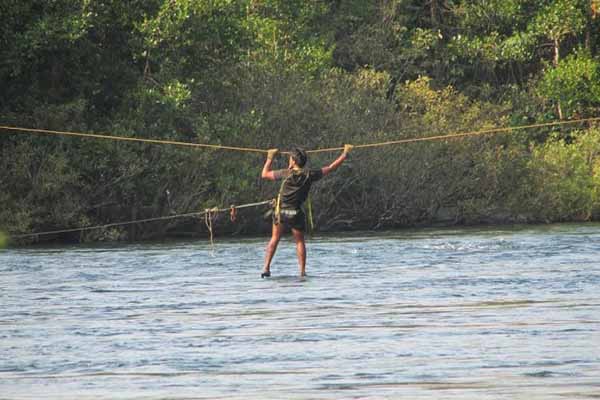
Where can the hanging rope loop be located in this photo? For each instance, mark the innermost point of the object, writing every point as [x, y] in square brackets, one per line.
[208, 220]
[232, 213]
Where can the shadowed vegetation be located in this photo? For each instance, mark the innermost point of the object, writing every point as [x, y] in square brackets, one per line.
[277, 73]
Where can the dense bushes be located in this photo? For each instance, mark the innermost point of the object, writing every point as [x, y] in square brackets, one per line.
[279, 73]
[565, 178]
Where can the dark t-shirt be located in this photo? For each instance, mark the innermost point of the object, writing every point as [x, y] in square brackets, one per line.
[296, 186]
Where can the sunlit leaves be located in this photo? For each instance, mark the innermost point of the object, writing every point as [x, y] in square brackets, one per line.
[193, 36]
[575, 83]
[565, 177]
[560, 18]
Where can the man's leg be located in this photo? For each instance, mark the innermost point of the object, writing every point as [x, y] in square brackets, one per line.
[300, 250]
[272, 246]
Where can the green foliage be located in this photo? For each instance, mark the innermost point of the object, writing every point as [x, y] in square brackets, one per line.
[285, 35]
[277, 73]
[189, 37]
[3, 240]
[482, 17]
[493, 30]
[575, 83]
[44, 189]
[560, 18]
[565, 178]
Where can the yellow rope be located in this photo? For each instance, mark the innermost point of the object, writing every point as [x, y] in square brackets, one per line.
[207, 213]
[89, 228]
[131, 139]
[330, 149]
[137, 221]
[309, 215]
[208, 221]
[458, 135]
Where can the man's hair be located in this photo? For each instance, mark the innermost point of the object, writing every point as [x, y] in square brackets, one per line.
[299, 156]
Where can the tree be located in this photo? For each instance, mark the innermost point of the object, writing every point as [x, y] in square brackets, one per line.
[574, 83]
[556, 21]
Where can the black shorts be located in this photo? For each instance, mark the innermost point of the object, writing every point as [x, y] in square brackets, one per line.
[295, 219]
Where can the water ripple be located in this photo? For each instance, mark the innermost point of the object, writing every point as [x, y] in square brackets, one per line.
[456, 313]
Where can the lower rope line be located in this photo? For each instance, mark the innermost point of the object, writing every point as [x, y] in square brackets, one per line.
[111, 225]
[137, 221]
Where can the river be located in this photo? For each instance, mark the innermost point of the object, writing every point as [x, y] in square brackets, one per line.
[486, 313]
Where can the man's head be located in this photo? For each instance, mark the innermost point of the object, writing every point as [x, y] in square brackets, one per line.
[299, 157]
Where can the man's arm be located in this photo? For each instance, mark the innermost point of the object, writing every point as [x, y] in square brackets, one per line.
[338, 161]
[267, 172]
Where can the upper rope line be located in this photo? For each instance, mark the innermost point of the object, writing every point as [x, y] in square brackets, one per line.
[130, 139]
[459, 134]
[323, 150]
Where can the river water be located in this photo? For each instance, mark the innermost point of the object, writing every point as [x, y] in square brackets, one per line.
[496, 313]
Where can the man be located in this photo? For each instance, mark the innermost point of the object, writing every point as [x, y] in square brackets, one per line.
[294, 190]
